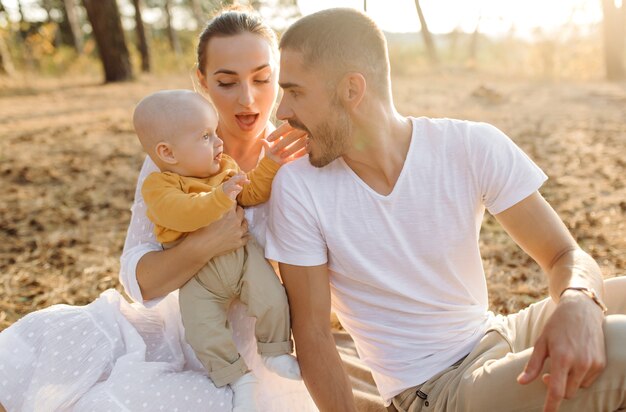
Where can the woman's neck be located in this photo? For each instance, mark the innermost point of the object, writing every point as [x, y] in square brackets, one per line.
[245, 151]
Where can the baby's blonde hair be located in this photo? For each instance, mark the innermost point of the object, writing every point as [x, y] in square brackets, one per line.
[157, 117]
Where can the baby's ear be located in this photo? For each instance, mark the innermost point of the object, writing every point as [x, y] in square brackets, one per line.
[165, 153]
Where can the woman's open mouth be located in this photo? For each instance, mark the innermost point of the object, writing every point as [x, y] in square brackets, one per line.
[247, 122]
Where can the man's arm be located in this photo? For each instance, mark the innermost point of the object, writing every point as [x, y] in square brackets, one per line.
[309, 304]
[573, 337]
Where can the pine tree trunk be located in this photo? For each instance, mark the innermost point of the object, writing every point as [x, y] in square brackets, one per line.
[6, 63]
[142, 42]
[104, 17]
[198, 14]
[171, 33]
[614, 34]
[428, 39]
[72, 25]
[473, 49]
[24, 25]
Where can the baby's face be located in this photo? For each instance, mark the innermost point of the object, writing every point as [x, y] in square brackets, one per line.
[197, 148]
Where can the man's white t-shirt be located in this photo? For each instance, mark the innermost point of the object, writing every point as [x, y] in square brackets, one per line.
[406, 275]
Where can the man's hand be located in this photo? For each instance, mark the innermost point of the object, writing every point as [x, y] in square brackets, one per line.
[285, 144]
[573, 339]
[233, 186]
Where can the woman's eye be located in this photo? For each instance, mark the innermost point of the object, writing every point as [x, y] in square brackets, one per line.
[226, 85]
[293, 93]
[263, 81]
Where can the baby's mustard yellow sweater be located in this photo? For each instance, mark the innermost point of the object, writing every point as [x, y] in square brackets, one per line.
[180, 204]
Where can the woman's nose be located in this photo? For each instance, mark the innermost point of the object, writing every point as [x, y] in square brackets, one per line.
[246, 97]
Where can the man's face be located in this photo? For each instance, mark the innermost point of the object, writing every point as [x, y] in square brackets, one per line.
[309, 105]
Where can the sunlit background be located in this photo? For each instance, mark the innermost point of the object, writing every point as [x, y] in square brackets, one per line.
[492, 16]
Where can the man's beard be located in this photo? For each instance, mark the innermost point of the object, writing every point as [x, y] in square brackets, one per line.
[330, 139]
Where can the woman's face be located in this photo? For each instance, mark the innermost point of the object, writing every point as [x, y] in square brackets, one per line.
[241, 79]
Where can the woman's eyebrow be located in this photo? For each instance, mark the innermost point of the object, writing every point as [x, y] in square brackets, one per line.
[226, 71]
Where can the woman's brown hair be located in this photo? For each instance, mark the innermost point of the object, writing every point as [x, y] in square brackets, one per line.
[232, 21]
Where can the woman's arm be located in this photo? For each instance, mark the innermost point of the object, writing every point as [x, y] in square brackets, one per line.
[161, 272]
[148, 272]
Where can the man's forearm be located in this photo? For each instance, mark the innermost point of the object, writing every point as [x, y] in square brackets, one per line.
[323, 372]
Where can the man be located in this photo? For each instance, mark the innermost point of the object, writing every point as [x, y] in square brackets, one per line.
[386, 217]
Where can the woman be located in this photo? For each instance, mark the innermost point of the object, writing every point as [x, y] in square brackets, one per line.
[110, 355]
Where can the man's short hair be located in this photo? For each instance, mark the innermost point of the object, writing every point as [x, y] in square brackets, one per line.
[339, 41]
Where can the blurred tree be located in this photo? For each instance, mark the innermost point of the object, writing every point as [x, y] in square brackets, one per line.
[23, 23]
[71, 27]
[62, 13]
[6, 62]
[473, 47]
[104, 17]
[256, 4]
[47, 5]
[428, 39]
[198, 13]
[142, 42]
[614, 26]
[171, 32]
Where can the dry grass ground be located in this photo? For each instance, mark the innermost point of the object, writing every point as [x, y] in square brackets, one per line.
[69, 160]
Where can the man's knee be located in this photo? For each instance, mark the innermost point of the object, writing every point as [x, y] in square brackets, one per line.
[615, 295]
[615, 339]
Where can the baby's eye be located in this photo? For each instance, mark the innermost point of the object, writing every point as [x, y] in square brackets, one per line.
[262, 81]
[206, 136]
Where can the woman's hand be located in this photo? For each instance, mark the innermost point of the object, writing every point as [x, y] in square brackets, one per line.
[285, 144]
[220, 237]
[162, 272]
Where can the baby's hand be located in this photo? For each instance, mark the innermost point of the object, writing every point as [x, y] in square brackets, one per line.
[233, 186]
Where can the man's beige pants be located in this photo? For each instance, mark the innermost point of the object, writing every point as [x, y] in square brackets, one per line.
[204, 302]
[486, 379]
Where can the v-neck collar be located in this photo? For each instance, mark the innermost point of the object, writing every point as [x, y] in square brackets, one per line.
[400, 176]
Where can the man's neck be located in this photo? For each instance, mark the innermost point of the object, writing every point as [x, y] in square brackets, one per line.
[380, 144]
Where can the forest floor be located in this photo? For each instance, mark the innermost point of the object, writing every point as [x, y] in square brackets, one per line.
[69, 161]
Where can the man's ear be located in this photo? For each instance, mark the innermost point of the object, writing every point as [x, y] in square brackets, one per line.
[351, 89]
[165, 153]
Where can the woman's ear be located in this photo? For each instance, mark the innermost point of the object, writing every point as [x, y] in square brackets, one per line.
[201, 79]
[165, 153]
[351, 89]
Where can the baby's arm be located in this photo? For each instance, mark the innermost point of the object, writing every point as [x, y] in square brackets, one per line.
[260, 186]
[171, 208]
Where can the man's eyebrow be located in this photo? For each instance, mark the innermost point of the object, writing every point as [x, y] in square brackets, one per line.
[288, 85]
[256, 69]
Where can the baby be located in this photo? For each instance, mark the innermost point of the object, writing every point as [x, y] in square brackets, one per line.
[196, 186]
